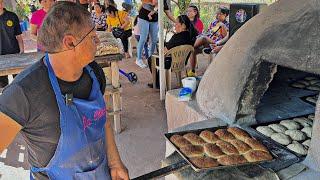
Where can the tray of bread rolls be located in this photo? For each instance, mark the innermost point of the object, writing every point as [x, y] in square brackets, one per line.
[108, 44]
[293, 133]
[219, 147]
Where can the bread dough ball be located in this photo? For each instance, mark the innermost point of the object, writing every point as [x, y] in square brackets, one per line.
[296, 135]
[310, 78]
[298, 148]
[314, 87]
[278, 128]
[305, 122]
[265, 130]
[308, 131]
[307, 143]
[289, 124]
[311, 117]
[298, 85]
[281, 138]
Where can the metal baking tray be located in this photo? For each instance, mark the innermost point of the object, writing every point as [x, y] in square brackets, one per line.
[212, 129]
[277, 122]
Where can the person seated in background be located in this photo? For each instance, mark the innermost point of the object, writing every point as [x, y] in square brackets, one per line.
[194, 16]
[99, 17]
[185, 35]
[218, 34]
[120, 19]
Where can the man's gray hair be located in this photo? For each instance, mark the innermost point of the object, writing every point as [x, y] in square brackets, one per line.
[64, 18]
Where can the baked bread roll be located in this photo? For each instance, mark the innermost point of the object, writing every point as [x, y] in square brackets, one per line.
[194, 139]
[255, 145]
[179, 141]
[227, 148]
[298, 148]
[305, 122]
[209, 136]
[307, 143]
[296, 135]
[281, 138]
[240, 146]
[192, 150]
[233, 159]
[204, 162]
[278, 128]
[308, 131]
[256, 156]
[265, 130]
[289, 124]
[212, 150]
[223, 134]
[238, 133]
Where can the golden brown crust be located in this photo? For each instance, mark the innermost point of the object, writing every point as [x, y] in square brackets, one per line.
[223, 134]
[179, 141]
[192, 150]
[209, 136]
[204, 162]
[213, 150]
[241, 146]
[232, 160]
[227, 148]
[255, 145]
[256, 156]
[238, 133]
[194, 139]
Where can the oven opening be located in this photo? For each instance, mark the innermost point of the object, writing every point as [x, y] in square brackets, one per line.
[291, 93]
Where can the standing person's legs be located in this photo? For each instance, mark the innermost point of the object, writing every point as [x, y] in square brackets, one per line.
[154, 36]
[144, 32]
[146, 49]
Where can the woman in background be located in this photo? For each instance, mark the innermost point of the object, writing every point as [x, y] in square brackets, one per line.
[121, 20]
[185, 34]
[136, 32]
[99, 17]
[194, 16]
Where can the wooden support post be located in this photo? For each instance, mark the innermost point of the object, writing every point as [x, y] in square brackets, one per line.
[116, 97]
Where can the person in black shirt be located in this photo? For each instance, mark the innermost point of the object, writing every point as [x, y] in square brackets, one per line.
[186, 34]
[63, 90]
[149, 26]
[11, 41]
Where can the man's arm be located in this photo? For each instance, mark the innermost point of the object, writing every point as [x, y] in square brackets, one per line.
[20, 41]
[117, 169]
[8, 130]
[170, 16]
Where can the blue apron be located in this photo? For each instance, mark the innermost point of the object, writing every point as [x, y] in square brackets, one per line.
[80, 152]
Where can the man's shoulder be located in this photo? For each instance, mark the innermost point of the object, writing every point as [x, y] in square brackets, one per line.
[32, 76]
[10, 14]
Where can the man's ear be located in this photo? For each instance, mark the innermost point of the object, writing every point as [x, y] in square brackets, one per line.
[69, 42]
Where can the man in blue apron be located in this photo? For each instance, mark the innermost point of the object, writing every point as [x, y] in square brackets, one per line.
[57, 104]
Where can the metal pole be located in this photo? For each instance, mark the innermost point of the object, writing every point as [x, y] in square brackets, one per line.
[161, 50]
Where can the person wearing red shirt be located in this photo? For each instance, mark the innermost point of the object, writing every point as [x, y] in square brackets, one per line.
[38, 16]
[194, 16]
